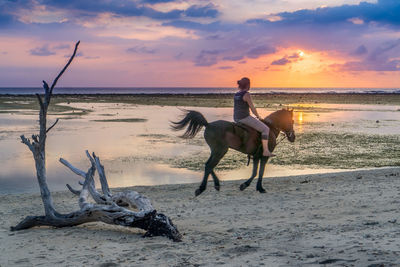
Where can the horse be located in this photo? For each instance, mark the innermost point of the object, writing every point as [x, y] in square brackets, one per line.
[221, 135]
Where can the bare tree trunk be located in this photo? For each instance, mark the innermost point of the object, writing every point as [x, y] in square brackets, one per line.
[109, 208]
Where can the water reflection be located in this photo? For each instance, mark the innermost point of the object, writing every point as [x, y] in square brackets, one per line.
[347, 118]
[133, 152]
[299, 125]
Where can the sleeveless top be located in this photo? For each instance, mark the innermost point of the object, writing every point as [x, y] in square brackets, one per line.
[240, 107]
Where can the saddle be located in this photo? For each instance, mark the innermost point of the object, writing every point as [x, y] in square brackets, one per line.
[242, 129]
[245, 132]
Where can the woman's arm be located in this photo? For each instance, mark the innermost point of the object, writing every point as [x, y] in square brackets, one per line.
[247, 98]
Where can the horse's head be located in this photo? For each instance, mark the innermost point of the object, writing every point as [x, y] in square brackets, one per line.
[283, 121]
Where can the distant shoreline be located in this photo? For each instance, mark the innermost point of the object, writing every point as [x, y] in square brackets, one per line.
[206, 94]
[192, 90]
[262, 100]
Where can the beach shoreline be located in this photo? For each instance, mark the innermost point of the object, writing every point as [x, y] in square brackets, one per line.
[346, 218]
[123, 128]
[216, 100]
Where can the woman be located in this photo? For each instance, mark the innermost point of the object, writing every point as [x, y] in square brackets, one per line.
[241, 113]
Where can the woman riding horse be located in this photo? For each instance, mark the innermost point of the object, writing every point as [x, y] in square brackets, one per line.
[241, 113]
[221, 135]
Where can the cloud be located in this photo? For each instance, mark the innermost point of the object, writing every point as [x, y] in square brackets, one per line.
[204, 34]
[361, 50]
[202, 11]
[123, 7]
[383, 12]
[79, 54]
[141, 50]
[214, 37]
[91, 57]
[157, 1]
[294, 56]
[380, 59]
[179, 56]
[390, 65]
[225, 67]
[128, 8]
[233, 58]
[207, 58]
[82, 55]
[212, 57]
[261, 50]
[281, 62]
[41, 51]
[383, 48]
[62, 46]
[192, 25]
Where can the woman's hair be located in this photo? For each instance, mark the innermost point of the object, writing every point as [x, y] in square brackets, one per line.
[243, 83]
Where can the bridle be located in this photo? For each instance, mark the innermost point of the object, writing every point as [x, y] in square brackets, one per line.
[285, 135]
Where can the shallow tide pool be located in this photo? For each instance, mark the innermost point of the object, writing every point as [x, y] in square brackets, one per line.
[137, 146]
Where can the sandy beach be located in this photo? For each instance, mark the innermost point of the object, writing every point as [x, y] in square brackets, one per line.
[340, 219]
[323, 216]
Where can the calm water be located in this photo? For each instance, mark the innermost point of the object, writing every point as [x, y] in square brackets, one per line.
[188, 90]
[142, 153]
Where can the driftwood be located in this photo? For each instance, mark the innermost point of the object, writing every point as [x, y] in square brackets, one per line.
[109, 208]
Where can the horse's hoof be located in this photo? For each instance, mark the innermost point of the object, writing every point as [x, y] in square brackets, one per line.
[243, 186]
[217, 187]
[198, 191]
[261, 190]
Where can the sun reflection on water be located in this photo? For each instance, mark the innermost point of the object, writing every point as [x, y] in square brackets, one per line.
[300, 121]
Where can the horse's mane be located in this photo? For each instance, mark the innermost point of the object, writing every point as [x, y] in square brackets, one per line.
[274, 115]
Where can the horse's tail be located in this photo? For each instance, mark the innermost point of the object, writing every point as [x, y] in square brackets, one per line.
[194, 119]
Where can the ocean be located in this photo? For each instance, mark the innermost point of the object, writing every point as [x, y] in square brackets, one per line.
[189, 90]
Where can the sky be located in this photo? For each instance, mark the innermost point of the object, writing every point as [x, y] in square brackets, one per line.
[201, 43]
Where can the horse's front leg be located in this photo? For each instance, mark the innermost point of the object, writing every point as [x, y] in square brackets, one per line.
[261, 174]
[243, 186]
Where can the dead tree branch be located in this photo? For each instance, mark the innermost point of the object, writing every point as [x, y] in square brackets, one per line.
[109, 208]
[54, 124]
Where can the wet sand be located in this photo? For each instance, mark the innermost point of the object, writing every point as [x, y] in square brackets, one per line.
[340, 219]
[138, 147]
[202, 100]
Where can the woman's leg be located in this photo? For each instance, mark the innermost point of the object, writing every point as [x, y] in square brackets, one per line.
[263, 129]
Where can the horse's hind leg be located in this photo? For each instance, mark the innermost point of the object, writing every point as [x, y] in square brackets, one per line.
[261, 174]
[255, 168]
[216, 180]
[216, 156]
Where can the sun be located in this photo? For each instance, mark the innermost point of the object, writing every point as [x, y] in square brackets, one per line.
[301, 53]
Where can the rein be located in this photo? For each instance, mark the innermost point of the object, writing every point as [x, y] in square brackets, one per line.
[270, 125]
[283, 137]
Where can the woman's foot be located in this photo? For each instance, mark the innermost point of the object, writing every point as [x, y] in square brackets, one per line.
[268, 154]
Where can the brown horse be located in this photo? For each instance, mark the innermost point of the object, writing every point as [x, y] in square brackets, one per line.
[221, 135]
